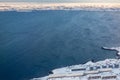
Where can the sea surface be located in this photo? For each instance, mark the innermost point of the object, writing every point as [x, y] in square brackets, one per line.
[33, 43]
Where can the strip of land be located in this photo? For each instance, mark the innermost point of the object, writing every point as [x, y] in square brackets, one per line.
[25, 6]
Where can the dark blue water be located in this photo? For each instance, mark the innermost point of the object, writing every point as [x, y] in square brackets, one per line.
[33, 43]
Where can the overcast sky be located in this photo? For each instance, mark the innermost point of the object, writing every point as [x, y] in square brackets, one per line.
[116, 1]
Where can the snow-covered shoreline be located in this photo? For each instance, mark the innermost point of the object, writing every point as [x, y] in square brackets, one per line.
[27, 6]
[113, 48]
[61, 73]
[108, 68]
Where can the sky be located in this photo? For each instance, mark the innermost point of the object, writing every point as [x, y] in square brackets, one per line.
[106, 1]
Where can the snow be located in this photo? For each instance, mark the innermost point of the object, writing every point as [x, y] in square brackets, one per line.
[65, 73]
[114, 48]
[111, 70]
[90, 63]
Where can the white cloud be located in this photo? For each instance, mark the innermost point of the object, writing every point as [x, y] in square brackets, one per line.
[64, 0]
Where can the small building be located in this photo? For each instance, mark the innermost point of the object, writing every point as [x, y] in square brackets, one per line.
[103, 66]
[110, 66]
[94, 78]
[91, 72]
[112, 77]
[105, 70]
[116, 66]
[79, 69]
[91, 68]
[97, 67]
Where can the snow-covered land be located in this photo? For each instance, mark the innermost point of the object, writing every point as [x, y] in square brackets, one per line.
[27, 6]
[113, 48]
[108, 69]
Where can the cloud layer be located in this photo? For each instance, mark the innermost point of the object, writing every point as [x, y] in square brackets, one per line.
[62, 0]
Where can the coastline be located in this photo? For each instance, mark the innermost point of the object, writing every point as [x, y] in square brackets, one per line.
[64, 72]
[29, 6]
